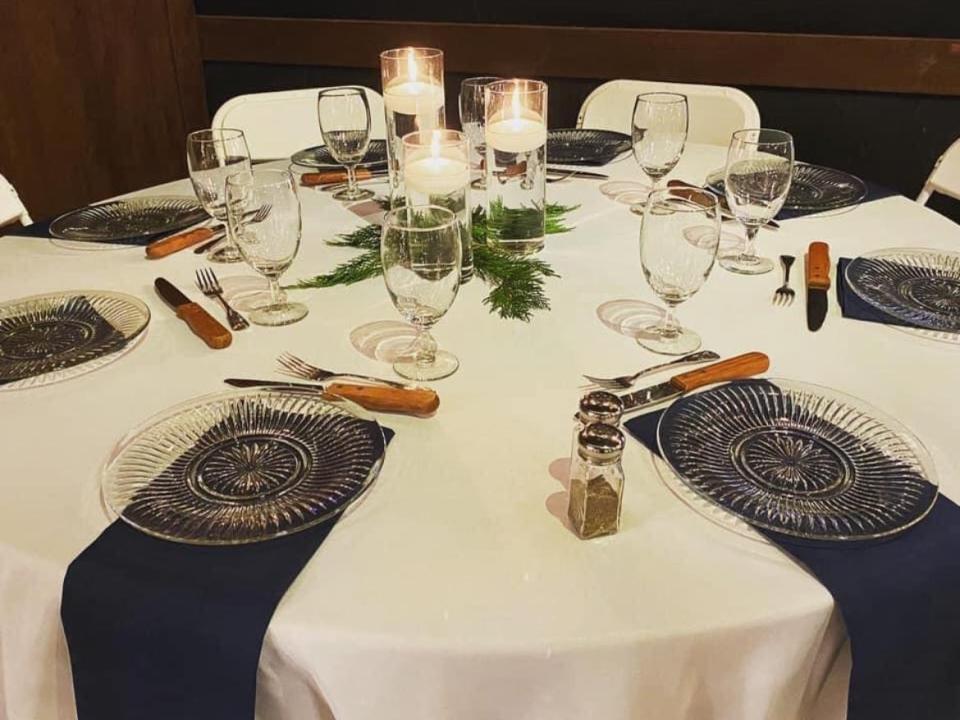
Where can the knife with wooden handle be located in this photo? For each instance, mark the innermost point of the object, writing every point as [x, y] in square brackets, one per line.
[202, 323]
[419, 402]
[334, 177]
[818, 283]
[174, 243]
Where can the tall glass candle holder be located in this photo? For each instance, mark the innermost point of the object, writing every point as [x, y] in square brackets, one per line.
[516, 164]
[436, 171]
[413, 101]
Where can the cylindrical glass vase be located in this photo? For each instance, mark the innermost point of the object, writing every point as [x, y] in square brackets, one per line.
[436, 171]
[516, 164]
[413, 102]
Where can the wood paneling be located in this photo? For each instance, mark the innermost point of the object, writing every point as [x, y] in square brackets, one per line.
[878, 64]
[97, 97]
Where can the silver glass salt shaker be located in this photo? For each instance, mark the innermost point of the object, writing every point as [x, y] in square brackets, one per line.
[597, 406]
[596, 489]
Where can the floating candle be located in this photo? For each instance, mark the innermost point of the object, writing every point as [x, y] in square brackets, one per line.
[413, 95]
[436, 170]
[517, 130]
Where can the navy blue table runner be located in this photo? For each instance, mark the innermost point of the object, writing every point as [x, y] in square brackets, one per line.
[900, 601]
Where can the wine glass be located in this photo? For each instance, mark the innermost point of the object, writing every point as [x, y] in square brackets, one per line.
[679, 236]
[212, 156]
[473, 118]
[421, 253]
[756, 182]
[269, 244]
[344, 115]
[659, 133]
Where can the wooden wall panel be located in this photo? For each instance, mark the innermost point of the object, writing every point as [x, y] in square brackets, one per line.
[97, 101]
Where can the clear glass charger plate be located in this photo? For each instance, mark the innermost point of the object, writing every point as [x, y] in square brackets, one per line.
[243, 466]
[799, 459]
[128, 219]
[583, 146]
[320, 157]
[814, 188]
[920, 286]
[57, 336]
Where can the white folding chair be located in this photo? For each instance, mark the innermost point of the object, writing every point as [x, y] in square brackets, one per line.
[278, 124]
[716, 112]
[11, 206]
[945, 177]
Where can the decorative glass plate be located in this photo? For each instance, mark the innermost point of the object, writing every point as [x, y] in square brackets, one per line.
[813, 189]
[799, 459]
[919, 286]
[243, 466]
[320, 157]
[580, 146]
[129, 218]
[56, 336]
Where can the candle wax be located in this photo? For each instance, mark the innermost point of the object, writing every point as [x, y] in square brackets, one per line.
[413, 97]
[436, 175]
[516, 135]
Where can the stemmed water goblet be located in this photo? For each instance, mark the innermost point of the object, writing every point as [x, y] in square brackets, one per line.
[473, 118]
[679, 236]
[269, 242]
[344, 116]
[212, 156]
[756, 182]
[420, 251]
[658, 133]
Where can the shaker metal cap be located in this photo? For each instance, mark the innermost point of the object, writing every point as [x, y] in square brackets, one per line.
[601, 443]
[600, 406]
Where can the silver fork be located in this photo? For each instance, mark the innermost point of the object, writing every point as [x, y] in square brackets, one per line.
[296, 367]
[210, 286]
[784, 294]
[622, 382]
[255, 216]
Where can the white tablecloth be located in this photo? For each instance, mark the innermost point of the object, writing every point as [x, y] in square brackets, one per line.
[454, 590]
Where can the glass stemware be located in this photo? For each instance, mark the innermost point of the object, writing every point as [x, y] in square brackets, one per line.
[269, 240]
[756, 182]
[473, 118]
[344, 116]
[659, 133]
[212, 156]
[679, 236]
[421, 253]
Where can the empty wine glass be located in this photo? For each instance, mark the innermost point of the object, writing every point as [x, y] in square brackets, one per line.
[756, 182]
[659, 133]
[679, 236]
[344, 115]
[269, 240]
[212, 156]
[473, 118]
[421, 253]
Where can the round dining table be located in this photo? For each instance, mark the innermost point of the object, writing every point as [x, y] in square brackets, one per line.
[456, 588]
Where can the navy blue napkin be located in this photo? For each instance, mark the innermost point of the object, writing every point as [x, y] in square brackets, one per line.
[874, 192]
[854, 306]
[900, 600]
[159, 630]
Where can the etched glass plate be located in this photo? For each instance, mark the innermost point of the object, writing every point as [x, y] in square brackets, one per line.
[814, 188]
[243, 466]
[56, 336]
[799, 459]
[916, 285]
[128, 219]
[581, 146]
[320, 157]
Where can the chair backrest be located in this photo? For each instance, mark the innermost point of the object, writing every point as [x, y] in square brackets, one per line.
[945, 177]
[11, 206]
[716, 112]
[278, 124]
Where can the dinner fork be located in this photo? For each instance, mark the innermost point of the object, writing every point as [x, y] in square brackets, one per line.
[622, 382]
[296, 367]
[210, 286]
[784, 294]
[255, 216]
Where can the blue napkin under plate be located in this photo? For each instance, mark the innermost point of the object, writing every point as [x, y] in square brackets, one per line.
[900, 600]
[874, 192]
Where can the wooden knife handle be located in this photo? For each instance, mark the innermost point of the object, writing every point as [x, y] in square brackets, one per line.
[818, 266]
[736, 368]
[169, 245]
[331, 177]
[204, 325]
[420, 402]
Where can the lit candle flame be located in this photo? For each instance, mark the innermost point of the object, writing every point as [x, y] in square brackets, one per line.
[435, 144]
[411, 66]
[516, 101]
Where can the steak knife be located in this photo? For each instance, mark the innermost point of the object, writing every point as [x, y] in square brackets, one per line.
[420, 402]
[818, 283]
[735, 368]
[199, 320]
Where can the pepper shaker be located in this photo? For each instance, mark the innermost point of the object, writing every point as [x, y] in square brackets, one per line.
[597, 406]
[596, 489]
